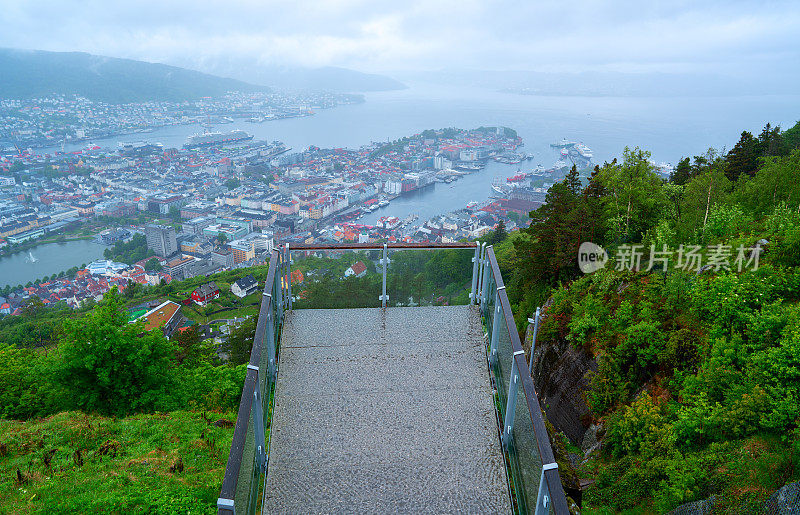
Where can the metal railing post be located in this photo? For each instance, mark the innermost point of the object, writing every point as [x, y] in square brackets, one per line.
[279, 291]
[543, 499]
[495, 327]
[289, 275]
[385, 261]
[270, 345]
[535, 322]
[485, 277]
[475, 271]
[511, 403]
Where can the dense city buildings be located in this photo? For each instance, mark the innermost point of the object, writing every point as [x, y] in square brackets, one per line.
[203, 209]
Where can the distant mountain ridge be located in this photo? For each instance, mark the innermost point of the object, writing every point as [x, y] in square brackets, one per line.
[36, 73]
[328, 78]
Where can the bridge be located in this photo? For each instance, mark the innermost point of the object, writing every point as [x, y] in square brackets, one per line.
[390, 408]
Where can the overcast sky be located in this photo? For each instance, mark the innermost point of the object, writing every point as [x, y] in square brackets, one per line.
[385, 36]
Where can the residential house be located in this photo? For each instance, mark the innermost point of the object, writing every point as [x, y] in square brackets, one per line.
[359, 269]
[244, 286]
[205, 293]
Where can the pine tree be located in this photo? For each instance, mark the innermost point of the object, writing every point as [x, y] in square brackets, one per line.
[743, 157]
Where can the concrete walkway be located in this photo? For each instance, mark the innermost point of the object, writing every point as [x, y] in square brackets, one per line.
[380, 411]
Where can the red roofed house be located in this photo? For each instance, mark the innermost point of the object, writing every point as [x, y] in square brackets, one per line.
[205, 293]
[359, 269]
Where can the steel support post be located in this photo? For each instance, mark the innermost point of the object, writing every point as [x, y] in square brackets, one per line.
[289, 275]
[270, 345]
[533, 340]
[484, 278]
[543, 499]
[278, 291]
[385, 262]
[495, 329]
[511, 402]
[475, 270]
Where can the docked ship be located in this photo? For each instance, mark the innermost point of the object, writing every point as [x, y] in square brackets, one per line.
[563, 144]
[216, 138]
[136, 148]
[584, 151]
[468, 167]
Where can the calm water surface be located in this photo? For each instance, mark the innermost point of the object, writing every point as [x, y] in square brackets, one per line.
[50, 258]
[667, 127]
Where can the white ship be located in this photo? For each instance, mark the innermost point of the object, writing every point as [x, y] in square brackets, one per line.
[584, 151]
[215, 138]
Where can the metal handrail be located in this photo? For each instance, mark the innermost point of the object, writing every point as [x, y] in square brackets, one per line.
[379, 246]
[551, 475]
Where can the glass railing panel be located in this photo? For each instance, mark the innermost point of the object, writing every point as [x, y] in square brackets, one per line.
[247, 486]
[503, 358]
[441, 277]
[336, 279]
[489, 305]
[523, 452]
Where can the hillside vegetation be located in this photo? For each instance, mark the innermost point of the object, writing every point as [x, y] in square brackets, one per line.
[70, 462]
[697, 387]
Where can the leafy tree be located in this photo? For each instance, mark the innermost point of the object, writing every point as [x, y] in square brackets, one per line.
[240, 341]
[791, 137]
[153, 265]
[132, 289]
[188, 345]
[635, 197]
[499, 234]
[232, 184]
[548, 253]
[682, 172]
[776, 182]
[109, 366]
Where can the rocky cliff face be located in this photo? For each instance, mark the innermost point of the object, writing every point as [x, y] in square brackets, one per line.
[559, 373]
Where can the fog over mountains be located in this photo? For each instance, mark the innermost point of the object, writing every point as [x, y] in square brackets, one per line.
[34, 73]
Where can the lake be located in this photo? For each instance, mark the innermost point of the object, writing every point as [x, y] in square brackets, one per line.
[51, 258]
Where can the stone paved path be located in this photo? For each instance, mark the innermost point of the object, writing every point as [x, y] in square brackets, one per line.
[381, 411]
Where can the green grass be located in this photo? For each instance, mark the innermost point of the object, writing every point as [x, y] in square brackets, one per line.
[128, 465]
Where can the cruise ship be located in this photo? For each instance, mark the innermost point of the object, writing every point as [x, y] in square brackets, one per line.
[215, 138]
[584, 151]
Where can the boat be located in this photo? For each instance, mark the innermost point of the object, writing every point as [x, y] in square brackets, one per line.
[584, 151]
[470, 167]
[215, 138]
[383, 203]
[563, 144]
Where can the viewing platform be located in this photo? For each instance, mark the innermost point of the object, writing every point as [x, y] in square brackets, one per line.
[385, 410]
[392, 408]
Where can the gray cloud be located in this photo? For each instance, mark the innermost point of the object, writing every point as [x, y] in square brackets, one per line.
[378, 35]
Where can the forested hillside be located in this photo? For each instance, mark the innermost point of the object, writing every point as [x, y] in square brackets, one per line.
[693, 383]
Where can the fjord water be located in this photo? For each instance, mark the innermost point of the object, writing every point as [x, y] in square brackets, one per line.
[669, 127]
